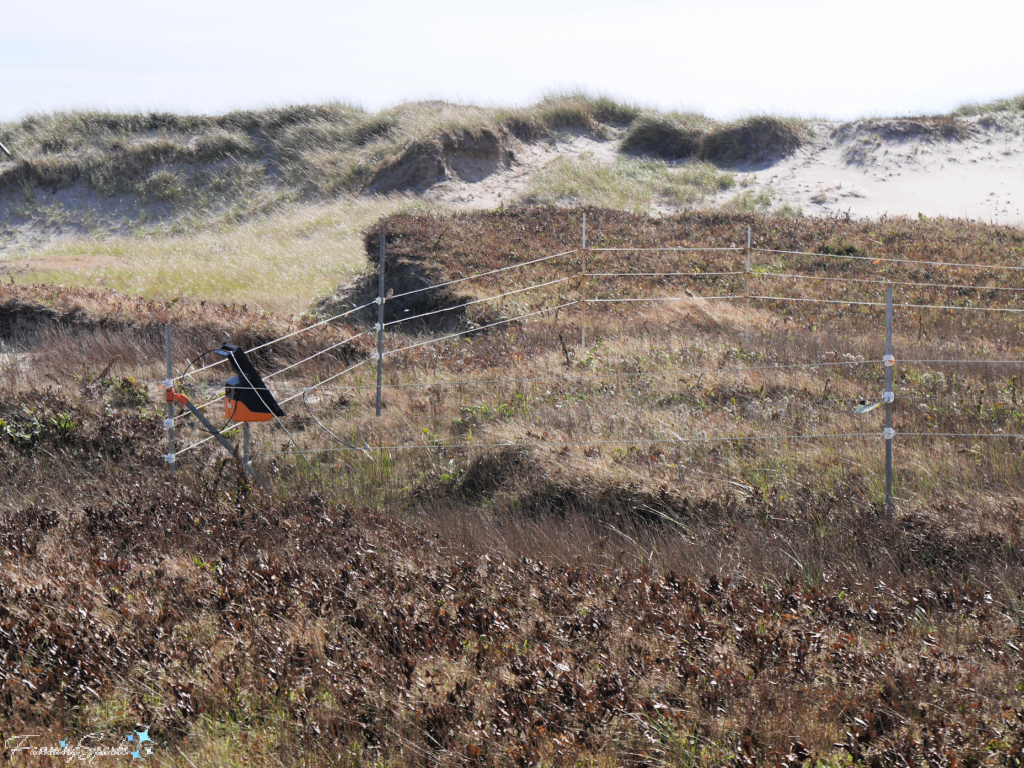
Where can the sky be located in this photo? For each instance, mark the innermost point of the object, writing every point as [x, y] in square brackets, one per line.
[726, 58]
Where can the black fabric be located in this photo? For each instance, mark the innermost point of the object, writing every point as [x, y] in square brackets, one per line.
[248, 387]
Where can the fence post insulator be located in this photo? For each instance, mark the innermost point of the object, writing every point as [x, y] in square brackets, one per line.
[888, 433]
[889, 360]
[888, 397]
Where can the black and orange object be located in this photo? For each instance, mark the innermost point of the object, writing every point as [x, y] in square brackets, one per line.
[246, 397]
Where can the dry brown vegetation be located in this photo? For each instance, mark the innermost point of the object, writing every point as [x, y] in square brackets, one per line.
[596, 592]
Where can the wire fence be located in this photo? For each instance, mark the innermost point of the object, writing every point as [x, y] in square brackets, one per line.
[579, 276]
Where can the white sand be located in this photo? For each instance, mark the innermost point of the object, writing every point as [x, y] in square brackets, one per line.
[859, 169]
[980, 178]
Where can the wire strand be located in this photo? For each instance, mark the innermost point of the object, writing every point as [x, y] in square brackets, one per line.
[962, 362]
[662, 274]
[887, 282]
[282, 370]
[315, 355]
[882, 304]
[890, 260]
[281, 338]
[958, 434]
[665, 298]
[476, 301]
[570, 443]
[480, 328]
[310, 327]
[324, 427]
[483, 274]
[612, 374]
[196, 444]
[329, 378]
[680, 249]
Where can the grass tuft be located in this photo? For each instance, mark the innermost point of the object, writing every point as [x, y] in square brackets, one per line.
[754, 139]
[668, 137]
[628, 184]
[675, 137]
[1012, 104]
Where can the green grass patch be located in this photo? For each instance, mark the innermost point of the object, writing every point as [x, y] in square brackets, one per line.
[627, 184]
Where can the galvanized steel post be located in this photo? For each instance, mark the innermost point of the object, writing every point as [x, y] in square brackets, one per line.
[888, 433]
[746, 329]
[380, 325]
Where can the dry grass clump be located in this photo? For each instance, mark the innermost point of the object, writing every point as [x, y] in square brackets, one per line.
[568, 111]
[1012, 104]
[467, 154]
[669, 137]
[752, 140]
[928, 128]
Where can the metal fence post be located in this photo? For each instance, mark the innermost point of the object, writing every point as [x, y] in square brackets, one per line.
[168, 383]
[888, 432]
[380, 325]
[746, 329]
[583, 286]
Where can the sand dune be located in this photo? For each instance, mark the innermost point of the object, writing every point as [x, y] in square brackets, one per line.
[866, 169]
[79, 179]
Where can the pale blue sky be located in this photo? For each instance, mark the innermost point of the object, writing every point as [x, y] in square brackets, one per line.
[727, 58]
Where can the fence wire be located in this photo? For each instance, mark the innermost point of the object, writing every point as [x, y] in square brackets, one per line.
[318, 387]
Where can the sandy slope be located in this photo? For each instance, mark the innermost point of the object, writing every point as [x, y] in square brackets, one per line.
[868, 174]
[504, 187]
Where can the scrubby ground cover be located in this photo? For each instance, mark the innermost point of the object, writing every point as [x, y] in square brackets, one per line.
[520, 581]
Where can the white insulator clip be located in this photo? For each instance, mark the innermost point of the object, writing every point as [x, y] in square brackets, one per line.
[888, 397]
[168, 423]
[888, 360]
[888, 433]
[169, 458]
[378, 355]
[168, 383]
[379, 300]
[378, 327]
